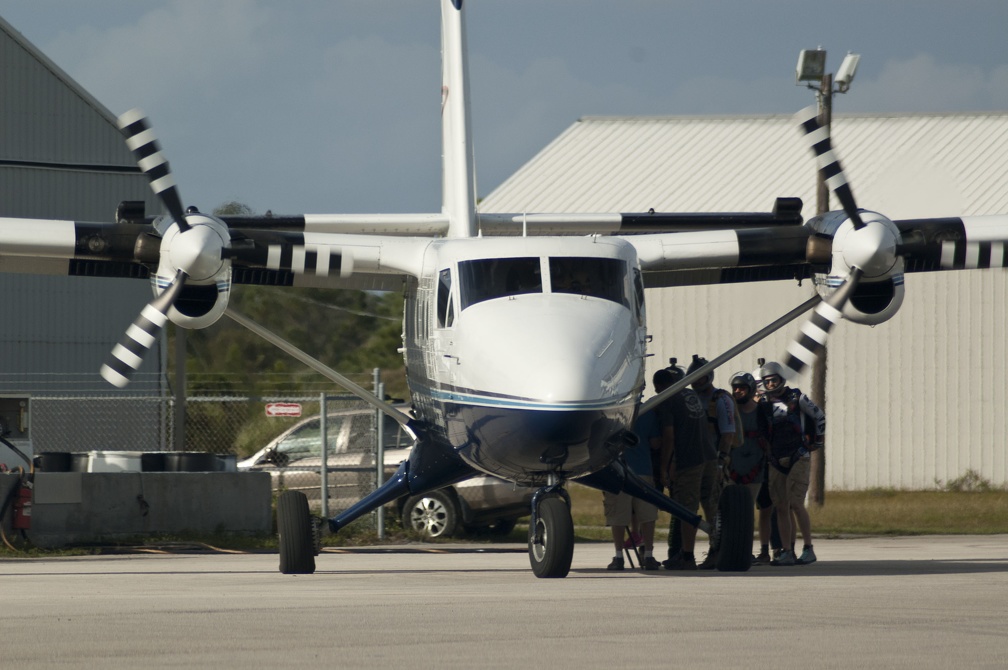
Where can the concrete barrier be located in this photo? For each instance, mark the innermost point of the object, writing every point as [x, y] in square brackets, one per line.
[73, 508]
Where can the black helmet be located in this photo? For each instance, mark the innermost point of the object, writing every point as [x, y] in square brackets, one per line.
[744, 379]
[697, 363]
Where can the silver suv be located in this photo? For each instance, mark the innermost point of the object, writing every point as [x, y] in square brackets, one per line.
[294, 462]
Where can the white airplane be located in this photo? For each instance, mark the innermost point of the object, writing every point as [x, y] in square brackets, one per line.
[524, 334]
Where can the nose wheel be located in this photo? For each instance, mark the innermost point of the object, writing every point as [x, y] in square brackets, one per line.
[551, 534]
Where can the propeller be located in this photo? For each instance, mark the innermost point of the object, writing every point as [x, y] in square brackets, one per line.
[196, 252]
[127, 356]
[869, 248]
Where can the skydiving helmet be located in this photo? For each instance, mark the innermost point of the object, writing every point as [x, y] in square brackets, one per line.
[746, 381]
[697, 363]
[772, 376]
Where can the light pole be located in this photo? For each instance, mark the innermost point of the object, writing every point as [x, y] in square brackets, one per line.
[812, 72]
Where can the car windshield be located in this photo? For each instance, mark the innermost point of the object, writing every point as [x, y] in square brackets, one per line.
[489, 278]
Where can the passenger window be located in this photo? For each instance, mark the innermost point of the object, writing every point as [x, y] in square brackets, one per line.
[596, 277]
[445, 304]
[490, 278]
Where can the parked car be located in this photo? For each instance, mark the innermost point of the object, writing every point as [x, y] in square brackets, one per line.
[294, 461]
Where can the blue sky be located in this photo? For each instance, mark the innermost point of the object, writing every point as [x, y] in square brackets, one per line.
[334, 106]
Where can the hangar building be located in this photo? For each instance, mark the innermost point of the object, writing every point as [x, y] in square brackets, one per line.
[62, 157]
[915, 402]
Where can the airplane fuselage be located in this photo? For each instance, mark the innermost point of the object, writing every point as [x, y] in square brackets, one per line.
[526, 355]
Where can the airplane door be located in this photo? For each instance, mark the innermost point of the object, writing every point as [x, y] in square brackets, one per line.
[443, 331]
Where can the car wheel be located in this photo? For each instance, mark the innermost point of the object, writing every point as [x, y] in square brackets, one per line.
[432, 514]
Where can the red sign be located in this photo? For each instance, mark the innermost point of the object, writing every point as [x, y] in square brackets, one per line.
[283, 409]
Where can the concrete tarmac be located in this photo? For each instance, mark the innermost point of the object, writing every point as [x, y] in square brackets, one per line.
[918, 602]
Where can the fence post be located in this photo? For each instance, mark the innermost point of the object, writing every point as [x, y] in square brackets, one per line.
[379, 455]
[324, 467]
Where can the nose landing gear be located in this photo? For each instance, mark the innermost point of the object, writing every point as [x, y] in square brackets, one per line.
[551, 532]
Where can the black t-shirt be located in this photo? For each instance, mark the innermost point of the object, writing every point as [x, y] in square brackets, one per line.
[688, 417]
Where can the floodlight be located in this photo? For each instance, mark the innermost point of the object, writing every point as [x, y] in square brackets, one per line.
[845, 75]
[811, 65]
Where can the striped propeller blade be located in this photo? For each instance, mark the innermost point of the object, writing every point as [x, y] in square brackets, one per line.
[811, 339]
[143, 143]
[127, 356]
[818, 137]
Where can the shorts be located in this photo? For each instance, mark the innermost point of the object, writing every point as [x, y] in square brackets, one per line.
[619, 507]
[686, 487]
[793, 486]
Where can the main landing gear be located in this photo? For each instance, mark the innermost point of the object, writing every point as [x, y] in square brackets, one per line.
[551, 533]
[300, 535]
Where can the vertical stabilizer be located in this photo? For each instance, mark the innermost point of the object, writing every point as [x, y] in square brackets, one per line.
[458, 192]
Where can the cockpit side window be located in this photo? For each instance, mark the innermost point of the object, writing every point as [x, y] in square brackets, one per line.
[489, 278]
[597, 277]
[445, 304]
[638, 284]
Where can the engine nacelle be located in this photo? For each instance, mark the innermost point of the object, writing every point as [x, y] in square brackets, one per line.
[872, 249]
[199, 252]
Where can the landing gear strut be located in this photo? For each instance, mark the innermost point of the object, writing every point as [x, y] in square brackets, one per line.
[551, 533]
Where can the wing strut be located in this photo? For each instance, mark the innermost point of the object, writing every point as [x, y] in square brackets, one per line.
[761, 334]
[324, 370]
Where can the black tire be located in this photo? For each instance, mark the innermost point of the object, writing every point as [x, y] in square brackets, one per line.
[552, 554]
[735, 509]
[297, 534]
[433, 515]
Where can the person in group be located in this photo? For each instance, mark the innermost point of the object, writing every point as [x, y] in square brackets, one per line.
[687, 459]
[798, 428]
[748, 463]
[725, 433]
[623, 510]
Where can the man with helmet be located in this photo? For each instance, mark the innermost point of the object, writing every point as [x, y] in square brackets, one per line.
[747, 465]
[725, 434]
[685, 454]
[798, 427]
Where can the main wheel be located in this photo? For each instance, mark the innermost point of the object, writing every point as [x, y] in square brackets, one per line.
[432, 514]
[297, 534]
[551, 539]
[735, 508]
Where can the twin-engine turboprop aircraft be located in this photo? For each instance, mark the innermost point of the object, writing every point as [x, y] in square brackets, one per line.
[524, 334]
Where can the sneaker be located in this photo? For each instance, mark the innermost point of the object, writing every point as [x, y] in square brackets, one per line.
[762, 559]
[786, 558]
[650, 563]
[807, 556]
[775, 553]
[617, 564]
[709, 562]
[634, 540]
[683, 563]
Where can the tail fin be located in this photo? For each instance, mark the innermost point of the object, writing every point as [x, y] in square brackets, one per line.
[458, 194]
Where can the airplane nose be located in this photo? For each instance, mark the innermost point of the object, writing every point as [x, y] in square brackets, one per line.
[550, 349]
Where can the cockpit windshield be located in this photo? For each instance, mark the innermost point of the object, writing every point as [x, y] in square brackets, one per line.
[596, 277]
[489, 278]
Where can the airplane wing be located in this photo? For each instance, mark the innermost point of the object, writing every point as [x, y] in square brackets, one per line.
[280, 251]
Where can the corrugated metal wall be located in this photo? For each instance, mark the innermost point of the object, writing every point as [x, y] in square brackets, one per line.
[920, 398]
[61, 156]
